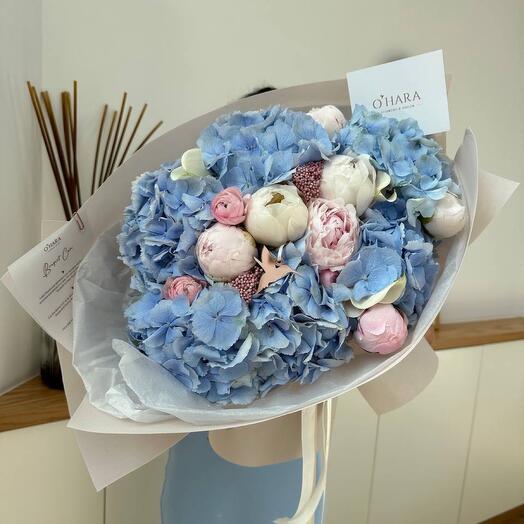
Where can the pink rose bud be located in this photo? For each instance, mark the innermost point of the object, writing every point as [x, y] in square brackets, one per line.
[381, 329]
[228, 207]
[186, 285]
[328, 277]
[332, 233]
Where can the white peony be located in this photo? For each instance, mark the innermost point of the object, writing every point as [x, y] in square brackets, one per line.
[329, 117]
[276, 215]
[449, 217]
[351, 178]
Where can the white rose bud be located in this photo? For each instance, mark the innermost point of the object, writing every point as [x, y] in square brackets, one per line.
[192, 165]
[351, 178]
[449, 217]
[329, 117]
[276, 215]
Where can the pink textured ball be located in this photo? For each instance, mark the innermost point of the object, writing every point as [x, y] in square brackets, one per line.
[247, 283]
[307, 180]
[381, 329]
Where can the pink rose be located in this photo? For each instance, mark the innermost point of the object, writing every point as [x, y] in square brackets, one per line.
[328, 277]
[332, 234]
[381, 329]
[186, 285]
[228, 207]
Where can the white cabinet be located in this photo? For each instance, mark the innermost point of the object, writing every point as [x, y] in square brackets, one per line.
[422, 448]
[136, 497]
[351, 460]
[43, 479]
[454, 454]
[495, 470]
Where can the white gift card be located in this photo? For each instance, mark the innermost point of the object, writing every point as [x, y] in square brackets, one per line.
[43, 279]
[412, 87]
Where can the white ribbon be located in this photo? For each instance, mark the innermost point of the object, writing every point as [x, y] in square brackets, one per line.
[312, 494]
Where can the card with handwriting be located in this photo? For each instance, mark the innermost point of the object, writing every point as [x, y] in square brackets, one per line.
[412, 87]
[43, 279]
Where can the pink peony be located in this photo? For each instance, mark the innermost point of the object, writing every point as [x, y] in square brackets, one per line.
[224, 252]
[188, 286]
[328, 277]
[332, 234]
[228, 207]
[381, 329]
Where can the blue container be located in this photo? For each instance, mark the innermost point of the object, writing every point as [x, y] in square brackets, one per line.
[202, 488]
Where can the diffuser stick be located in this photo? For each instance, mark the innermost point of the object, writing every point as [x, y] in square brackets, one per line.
[133, 133]
[149, 135]
[50, 153]
[108, 141]
[97, 151]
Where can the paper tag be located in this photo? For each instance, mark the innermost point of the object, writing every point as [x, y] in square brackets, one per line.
[43, 279]
[273, 270]
[412, 87]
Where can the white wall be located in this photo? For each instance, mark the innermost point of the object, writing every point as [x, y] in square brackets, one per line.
[20, 178]
[185, 57]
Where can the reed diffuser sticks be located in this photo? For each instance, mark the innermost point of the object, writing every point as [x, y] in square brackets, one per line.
[97, 150]
[60, 182]
[61, 142]
[114, 139]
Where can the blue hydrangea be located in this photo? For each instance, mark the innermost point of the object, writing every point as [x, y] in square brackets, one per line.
[379, 230]
[297, 342]
[158, 326]
[219, 316]
[292, 253]
[253, 149]
[162, 224]
[231, 352]
[209, 361]
[216, 351]
[421, 272]
[319, 350]
[313, 300]
[386, 225]
[373, 269]
[419, 172]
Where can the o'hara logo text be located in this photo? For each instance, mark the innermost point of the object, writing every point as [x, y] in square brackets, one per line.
[386, 103]
[51, 245]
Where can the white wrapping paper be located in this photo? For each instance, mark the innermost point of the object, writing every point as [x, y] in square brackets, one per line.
[125, 383]
[129, 411]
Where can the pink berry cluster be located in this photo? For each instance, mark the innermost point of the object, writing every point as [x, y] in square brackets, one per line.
[247, 283]
[307, 180]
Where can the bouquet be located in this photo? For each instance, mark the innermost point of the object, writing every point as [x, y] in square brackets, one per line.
[278, 258]
[262, 256]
